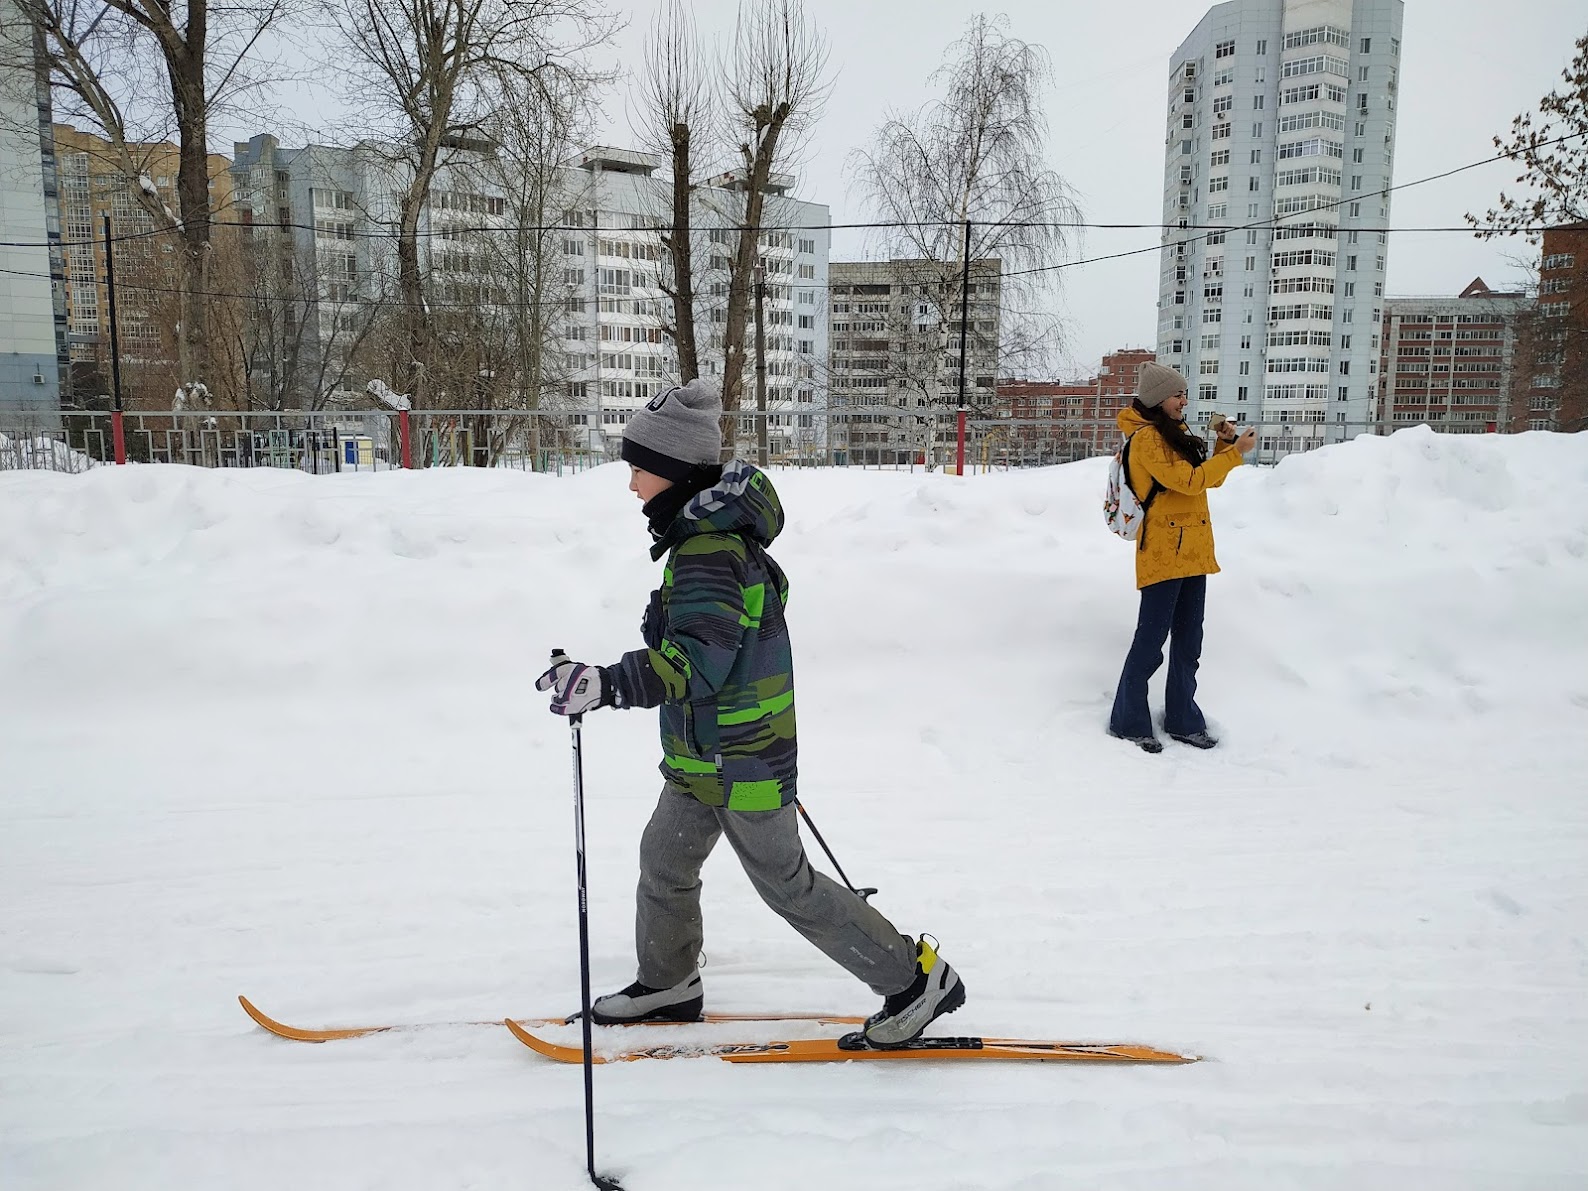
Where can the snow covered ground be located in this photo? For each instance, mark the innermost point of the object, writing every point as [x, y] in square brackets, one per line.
[274, 734]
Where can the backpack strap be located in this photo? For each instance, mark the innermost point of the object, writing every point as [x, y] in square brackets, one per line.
[1152, 490]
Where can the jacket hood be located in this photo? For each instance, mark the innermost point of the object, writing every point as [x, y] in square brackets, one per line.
[743, 501]
[1131, 420]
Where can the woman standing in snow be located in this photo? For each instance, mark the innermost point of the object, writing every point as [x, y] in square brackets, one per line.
[1170, 473]
[717, 662]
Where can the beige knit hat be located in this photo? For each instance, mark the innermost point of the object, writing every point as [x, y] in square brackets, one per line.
[1158, 383]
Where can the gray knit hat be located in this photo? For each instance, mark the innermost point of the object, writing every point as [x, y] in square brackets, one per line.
[677, 431]
[1158, 383]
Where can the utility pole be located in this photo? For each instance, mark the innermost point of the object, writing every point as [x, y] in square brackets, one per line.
[964, 339]
[117, 421]
[760, 362]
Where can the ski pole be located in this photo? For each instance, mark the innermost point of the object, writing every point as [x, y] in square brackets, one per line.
[603, 1182]
[862, 894]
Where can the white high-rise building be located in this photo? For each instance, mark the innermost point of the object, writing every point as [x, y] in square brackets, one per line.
[1280, 137]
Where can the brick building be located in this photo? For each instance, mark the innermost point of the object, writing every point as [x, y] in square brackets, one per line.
[1448, 362]
[1037, 422]
[1551, 385]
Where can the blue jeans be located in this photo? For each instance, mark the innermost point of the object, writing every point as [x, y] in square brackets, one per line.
[1172, 608]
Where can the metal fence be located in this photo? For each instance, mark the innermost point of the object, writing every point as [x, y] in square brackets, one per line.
[562, 441]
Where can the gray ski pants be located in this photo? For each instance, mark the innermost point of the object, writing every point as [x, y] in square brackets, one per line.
[668, 931]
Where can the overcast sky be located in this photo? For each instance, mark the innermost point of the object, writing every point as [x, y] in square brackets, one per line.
[1468, 67]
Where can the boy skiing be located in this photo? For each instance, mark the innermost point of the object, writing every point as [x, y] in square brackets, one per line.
[717, 661]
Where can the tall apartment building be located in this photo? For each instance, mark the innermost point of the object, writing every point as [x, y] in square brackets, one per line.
[607, 266]
[1551, 389]
[94, 184]
[32, 317]
[1279, 147]
[1061, 421]
[621, 200]
[894, 370]
[1447, 362]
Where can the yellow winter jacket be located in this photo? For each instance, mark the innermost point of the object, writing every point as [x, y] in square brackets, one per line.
[1176, 539]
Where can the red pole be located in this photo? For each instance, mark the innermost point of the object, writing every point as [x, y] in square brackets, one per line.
[407, 443]
[118, 436]
[959, 451]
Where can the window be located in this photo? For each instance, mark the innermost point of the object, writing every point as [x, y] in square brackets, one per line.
[1257, 156]
[1257, 131]
[1262, 46]
[1224, 49]
[1356, 210]
[1207, 392]
[1186, 120]
[1224, 77]
[1320, 35]
[1312, 147]
[1318, 64]
[1217, 184]
[1253, 184]
[1221, 132]
[1222, 157]
[1190, 94]
[1560, 260]
[1219, 211]
[808, 247]
[1257, 102]
[1361, 74]
[1208, 368]
[1223, 104]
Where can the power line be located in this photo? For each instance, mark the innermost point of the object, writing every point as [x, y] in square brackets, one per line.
[1470, 229]
[454, 230]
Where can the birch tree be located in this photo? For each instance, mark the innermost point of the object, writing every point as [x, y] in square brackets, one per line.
[977, 156]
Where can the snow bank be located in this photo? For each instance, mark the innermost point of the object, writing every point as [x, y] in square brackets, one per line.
[273, 733]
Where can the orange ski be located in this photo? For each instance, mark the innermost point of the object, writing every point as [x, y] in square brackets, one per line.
[831, 1050]
[298, 1034]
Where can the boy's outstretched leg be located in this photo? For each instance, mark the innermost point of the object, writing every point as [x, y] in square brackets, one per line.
[918, 987]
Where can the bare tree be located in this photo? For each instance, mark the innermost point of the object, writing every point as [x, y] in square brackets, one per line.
[137, 71]
[777, 86]
[1553, 150]
[524, 265]
[679, 109]
[977, 157]
[428, 74]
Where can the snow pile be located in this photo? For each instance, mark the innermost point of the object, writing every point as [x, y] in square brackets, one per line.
[272, 733]
[41, 452]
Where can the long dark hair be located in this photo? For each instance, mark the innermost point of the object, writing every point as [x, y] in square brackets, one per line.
[1188, 446]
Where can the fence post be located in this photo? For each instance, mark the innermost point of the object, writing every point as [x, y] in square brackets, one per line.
[118, 436]
[405, 441]
[959, 449]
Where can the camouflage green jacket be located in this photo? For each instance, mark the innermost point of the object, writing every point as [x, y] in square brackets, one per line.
[717, 658]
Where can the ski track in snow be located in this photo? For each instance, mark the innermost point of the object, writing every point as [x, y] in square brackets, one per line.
[275, 734]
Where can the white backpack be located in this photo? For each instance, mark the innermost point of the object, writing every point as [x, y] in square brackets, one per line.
[1122, 512]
